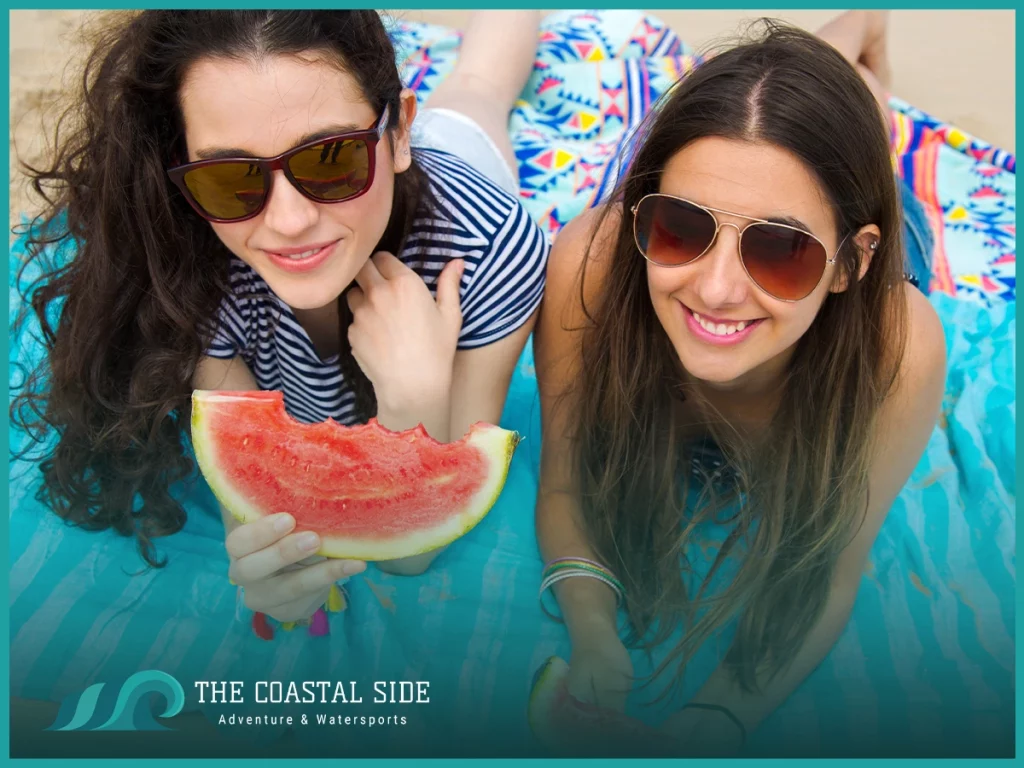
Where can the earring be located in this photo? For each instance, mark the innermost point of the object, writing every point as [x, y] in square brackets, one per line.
[874, 245]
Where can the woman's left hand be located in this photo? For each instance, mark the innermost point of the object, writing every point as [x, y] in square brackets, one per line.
[402, 338]
[704, 733]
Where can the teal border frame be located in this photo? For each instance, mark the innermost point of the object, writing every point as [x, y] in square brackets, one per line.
[436, 5]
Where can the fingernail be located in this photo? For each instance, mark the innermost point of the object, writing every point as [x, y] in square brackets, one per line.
[352, 568]
[309, 541]
[283, 523]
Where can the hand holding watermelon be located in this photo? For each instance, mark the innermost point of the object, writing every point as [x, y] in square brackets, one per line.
[404, 340]
[367, 493]
[277, 570]
[573, 728]
[600, 672]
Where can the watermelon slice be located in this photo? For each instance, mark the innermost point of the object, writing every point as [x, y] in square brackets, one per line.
[573, 728]
[371, 494]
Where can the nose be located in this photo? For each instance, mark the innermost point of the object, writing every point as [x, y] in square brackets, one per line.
[721, 280]
[288, 212]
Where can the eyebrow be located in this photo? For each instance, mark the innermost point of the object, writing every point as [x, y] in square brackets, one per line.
[789, 221]
[232, 152]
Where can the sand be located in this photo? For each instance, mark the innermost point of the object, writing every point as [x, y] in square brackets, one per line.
[958, 65]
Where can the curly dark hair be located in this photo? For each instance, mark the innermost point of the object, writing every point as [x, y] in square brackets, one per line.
[147, 275]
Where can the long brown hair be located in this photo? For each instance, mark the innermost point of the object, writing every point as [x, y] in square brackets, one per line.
[800, 485]
[147, 275]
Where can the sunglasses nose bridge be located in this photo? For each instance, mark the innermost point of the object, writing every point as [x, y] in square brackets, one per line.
[719, 226]
[723, 271]
[280, 164]
[288, 207]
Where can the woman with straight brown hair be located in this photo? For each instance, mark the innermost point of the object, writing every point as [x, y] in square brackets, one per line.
[733, 351]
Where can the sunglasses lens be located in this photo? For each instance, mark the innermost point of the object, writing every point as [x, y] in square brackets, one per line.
[785, 262]
[227, 190]
[672, 232]
[334, 170]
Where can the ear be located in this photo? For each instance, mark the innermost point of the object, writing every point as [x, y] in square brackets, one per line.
[402, 142]
[866, 240]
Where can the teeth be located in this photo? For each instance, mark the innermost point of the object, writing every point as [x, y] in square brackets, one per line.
[303, 255]
[720, 329]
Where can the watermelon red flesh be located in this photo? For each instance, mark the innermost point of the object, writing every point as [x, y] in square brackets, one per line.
[343, 483]
[369, 493]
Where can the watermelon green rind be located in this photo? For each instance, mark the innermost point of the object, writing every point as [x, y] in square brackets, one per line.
[204, 446]
[548, 685]
[497, 444]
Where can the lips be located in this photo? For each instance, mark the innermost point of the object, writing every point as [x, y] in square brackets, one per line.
[720, 327]
[303, 258]
[719, 331]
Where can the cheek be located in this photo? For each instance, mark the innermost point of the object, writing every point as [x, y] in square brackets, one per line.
[664, 284]
[664, 281]
[794, 319]
[378, 198]
[367, 216]
[381, 191]
[234, 236]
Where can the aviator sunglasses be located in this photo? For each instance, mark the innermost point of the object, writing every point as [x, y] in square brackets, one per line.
[785, 262]
[325, 170]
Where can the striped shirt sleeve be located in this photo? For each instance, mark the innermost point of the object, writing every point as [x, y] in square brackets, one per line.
[229, 330]
[508, 282]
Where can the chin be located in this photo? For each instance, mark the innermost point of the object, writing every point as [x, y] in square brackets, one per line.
[305, 297]
[717, 377]
[720, 373]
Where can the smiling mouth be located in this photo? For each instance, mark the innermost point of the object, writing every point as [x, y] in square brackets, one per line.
[300, 256]
[297, 261]
[722, 329]
[297, 255]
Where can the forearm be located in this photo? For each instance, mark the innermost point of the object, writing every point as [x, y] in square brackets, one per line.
[587, 605]
[433, 411]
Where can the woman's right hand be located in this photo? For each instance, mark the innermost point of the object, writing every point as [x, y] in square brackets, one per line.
[277, 571]
[601, 672]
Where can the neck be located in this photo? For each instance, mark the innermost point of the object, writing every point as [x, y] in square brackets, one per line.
[322, 326]
[749, 402]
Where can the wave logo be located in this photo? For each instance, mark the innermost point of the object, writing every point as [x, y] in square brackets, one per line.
[103, 707]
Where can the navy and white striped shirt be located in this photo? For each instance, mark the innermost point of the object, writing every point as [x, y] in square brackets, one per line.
[505, 253]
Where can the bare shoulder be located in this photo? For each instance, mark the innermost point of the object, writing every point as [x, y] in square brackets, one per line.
[576, 270]
[223, 373]
[906, 422]
[912, 408]
[582, 251]
[923, 368]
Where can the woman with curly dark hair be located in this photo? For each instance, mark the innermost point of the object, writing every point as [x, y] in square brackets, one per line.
[254, 203]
